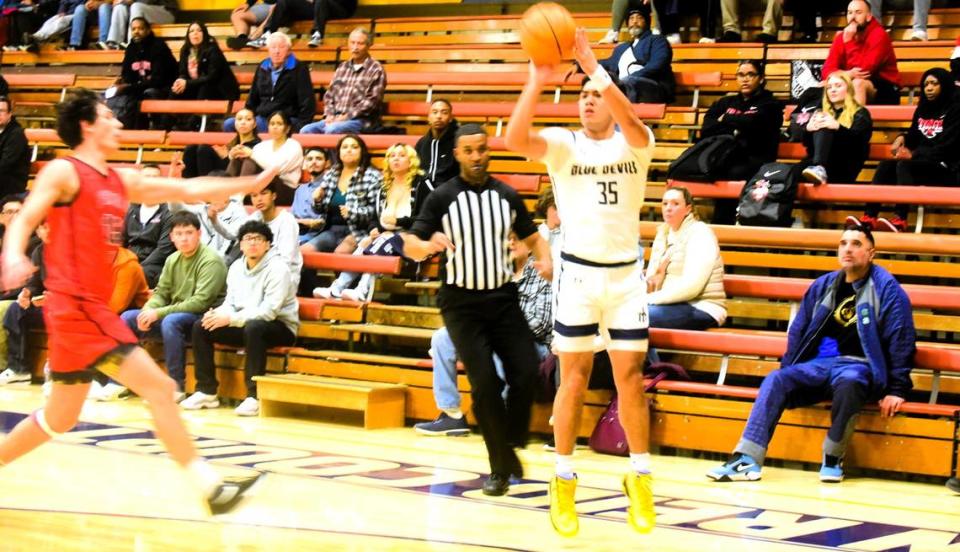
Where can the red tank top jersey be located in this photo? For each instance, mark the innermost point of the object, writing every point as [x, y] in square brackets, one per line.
[84, 237]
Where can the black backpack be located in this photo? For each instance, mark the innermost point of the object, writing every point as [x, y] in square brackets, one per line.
[767, 199]
[704, 161]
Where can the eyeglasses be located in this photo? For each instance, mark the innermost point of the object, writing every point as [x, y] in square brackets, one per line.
[750, 75]
[253, 239]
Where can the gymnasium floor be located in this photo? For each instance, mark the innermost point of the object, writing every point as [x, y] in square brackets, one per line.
[106, 486]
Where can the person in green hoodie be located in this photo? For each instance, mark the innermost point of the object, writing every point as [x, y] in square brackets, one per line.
[192, 281]
[259, 312]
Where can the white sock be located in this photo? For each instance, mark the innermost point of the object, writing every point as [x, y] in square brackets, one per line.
[454, 413]
[640, 462]
[564, 466]
[204, 476]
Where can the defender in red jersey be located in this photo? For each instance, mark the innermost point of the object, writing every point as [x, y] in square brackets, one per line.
[84, 201]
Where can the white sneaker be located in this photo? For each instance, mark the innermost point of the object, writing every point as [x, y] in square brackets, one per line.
[111, 392]
[673, 38]
[610, 38]
[316, 39]
[249, 407]
[95, 391]
[707, 40]
[9, 376]
[918, 36]
[357, 295]
[259, 42]
[200, 400]
[326, 293]
[178, 396]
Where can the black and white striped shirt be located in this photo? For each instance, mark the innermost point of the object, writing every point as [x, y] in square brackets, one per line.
[478, 220]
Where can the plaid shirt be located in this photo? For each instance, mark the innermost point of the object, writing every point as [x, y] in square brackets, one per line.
[358, 93]
[536, 300]
[362, 193]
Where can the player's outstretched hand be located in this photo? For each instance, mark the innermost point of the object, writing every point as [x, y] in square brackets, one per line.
[584, 53]
[16, 270]
[265, 177]
[539, 74]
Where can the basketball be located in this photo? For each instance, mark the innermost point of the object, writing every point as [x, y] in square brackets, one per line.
[547, 33]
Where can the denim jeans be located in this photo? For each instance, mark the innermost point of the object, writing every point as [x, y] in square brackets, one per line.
[79, 23]
[230, 124]
[174, 330]
[445, 369]
[844, 379]
[680, 316]
[353, 126]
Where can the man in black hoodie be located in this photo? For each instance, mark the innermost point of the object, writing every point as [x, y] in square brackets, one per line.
[14, 152]
[754, 117]
[148, 72]
[146, 232]
[435, 149]
[927, 154]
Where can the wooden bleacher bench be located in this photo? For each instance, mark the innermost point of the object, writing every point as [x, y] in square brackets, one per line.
[203, 108]
[382, 404]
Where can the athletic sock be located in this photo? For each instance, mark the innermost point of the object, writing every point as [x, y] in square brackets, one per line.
[831, 461]
[204, 476]
[564, 466]
[454, 413]
[640, 462]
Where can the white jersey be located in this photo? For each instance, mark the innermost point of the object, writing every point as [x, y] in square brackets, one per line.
[599, 188]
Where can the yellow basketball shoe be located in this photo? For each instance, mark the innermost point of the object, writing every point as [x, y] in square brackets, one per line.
[563, 510]
[639, 489]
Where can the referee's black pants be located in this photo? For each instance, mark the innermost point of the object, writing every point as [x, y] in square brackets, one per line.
[482, 323]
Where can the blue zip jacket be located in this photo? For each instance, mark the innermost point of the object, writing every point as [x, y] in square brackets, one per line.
[884, 323]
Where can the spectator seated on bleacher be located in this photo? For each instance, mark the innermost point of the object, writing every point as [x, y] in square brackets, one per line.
[201, 160]
[283, 228]
[23, 17]
[260, 311]
[82, 20]
[204, 73]
[315, 163]
[643, 64]
[927, 154]
[354, 99]
[279, 150]
[404, 191]
[53, 26]
[22, 315]
[14, 151]
[685, 272]
[281, 83]
[754, 117]
[772, 19]
[863, 49]
[536, 299]
[837, 134]
[147, 72]
[549, 229]
[161, 12]
[192, 282]
[346, 199]
[851, 341]
[228, 214]
[435, 148]
[325, 10]
[146, 232]
[249, 21]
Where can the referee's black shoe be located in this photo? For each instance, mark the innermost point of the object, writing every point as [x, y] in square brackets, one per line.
[496, 485]
[953, 484]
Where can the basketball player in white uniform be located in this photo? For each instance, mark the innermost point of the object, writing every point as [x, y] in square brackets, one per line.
[599, 174]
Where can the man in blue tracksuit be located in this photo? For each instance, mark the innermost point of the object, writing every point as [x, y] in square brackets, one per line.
[643, 63]
[853, 341]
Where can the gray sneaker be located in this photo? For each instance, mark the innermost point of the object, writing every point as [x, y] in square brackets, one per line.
[816, 174]
[316, 39]
[260, 42]
[444, 425]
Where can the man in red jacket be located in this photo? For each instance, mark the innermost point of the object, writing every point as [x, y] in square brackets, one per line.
[864, 50]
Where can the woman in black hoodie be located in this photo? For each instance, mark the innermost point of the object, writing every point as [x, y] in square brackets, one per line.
[754, 117]
[204, 73]
[927, 154]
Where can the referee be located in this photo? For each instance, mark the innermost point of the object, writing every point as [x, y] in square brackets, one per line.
[470, 218]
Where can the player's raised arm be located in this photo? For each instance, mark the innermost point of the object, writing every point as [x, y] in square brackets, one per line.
[151, 190]
[621, 109]
[520, 136]
[56, 182]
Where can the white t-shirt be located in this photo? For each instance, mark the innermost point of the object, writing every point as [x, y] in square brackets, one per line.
[599, 188]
